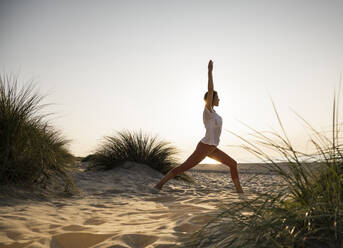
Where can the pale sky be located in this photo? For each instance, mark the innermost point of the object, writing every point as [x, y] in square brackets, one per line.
[114, 65]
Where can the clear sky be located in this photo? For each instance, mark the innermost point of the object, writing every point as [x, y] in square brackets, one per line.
[114, 65]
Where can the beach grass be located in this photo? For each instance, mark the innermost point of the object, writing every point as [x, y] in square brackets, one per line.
[135, 146]
[32, 152]
[306, 212]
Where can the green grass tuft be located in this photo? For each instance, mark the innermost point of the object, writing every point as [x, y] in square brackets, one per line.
[31, 151]
[137, 147]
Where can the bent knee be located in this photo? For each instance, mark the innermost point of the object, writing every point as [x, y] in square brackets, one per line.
[232, 164]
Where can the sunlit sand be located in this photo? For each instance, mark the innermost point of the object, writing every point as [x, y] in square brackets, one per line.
[120, 208]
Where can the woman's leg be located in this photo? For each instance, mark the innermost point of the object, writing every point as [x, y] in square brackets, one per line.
[223, 158]
[201, 151]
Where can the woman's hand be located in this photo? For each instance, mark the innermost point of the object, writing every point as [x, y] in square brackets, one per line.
[210, 65]
[210, 83]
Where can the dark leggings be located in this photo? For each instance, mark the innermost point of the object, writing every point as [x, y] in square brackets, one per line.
[202, 150]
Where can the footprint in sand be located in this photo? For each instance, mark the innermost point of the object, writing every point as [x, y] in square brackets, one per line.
[187, 227]
[14, 235]
[16, 245]
[94, 221]
[80, 240]
[54, 226]
[74, 228]
[138, 240]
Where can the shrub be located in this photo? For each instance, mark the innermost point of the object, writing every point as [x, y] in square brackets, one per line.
[89, 158]
[137, 147]
[31, 151]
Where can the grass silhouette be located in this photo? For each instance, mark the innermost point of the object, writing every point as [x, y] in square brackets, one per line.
[32, 152]
[138, 147]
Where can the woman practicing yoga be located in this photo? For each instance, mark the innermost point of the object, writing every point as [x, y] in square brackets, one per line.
[207, 146]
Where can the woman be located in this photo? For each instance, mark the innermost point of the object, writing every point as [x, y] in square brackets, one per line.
[207, 145]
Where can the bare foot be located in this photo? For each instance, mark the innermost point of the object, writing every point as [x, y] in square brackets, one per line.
[240, 190]
[157, 187]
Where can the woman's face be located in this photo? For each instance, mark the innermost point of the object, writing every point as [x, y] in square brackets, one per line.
[216, 100]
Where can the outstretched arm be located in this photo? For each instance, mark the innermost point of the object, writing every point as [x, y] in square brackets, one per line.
[210, 86]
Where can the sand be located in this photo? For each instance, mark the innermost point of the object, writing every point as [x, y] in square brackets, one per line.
[120, 208]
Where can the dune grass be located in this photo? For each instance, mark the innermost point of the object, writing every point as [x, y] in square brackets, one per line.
[32, 152]
[308, 212]
[138, 147]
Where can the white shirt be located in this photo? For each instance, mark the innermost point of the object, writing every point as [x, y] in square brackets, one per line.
[213, 124]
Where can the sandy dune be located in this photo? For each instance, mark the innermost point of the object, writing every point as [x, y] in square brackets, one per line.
[120, 208]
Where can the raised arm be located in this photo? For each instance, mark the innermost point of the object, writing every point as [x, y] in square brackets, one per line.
[210, 86]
